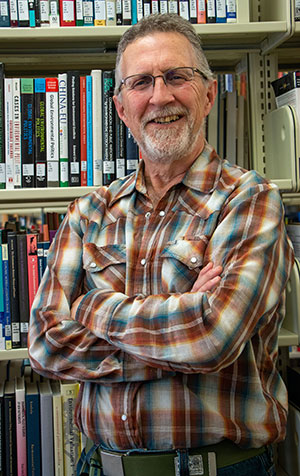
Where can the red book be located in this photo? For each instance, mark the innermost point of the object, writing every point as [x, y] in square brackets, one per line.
[201, 11]
[32, 261]
[83, 153]
[67, 15]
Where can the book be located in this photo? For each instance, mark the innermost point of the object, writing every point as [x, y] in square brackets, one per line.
[111, 18]
[120, 130]
[2, 430]
[52, 137]
[9, 146]
[10, 428]
[37, 13]
[4, 14]
[2, 317]
[31, 13]
[109, 172]
[32, 266]
[78, 13]
[46, 428]
[73, 85]
[221, 11]
[132, 152]
[126, 12]
[89, 130]
[163, 7]
[40, 132]
[6, 290]
[54, 20]
[99, 12]
[27, 126]
[2, 141]
[23, 13]
[193, 11]
[71, 434]
[63, 130]
[14, 289]
[97, 125]
[21, 426]
[134, 10]
[210, 11]
[13, 13]
[23, 287]
[287, 90]
[119, 12]
[33, 442]
[67, 12]
[201, 11]
[83, 133]
[184, 9]
[231, 15]
[173, 6]
[57, 429]
[297, 10]
[40, 256]
[44, 14]
[88, 12]
[16, 101]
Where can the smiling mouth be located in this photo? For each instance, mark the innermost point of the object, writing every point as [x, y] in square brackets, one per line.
[167, 119]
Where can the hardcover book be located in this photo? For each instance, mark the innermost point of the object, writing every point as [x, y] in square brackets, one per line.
[97, 126]
[46, 413]
[57, 429]
[40, 132]
[4, 14]
[9, 145]
[10, 428]
[32, 266]
[73, 81]
[16, 100]
[83, 133]
[108, 134]
[14, 289]
[52, 137]
[89, 130]
[63, 130]
[23, 287]
[71, 435]
[67, 12]
[32, 400]
[27, 127]
[6, 290]
[21, 426]
[99, 12]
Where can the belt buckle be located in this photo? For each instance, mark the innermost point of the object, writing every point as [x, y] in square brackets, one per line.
[197, 466]
[112, 464]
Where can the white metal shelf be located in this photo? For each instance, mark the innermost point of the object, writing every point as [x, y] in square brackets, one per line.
[13, 354]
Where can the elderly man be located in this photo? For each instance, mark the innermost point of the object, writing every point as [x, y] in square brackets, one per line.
[164, 292]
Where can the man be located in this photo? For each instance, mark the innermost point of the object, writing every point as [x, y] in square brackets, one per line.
[164, 292]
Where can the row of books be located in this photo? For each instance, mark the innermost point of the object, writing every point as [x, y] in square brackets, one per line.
[23, 259]
[56, 13]
[63, 131]
[38, 435]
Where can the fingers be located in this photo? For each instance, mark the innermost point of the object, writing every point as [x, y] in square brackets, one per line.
[208, 278]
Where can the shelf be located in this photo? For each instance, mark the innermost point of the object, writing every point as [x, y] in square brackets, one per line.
[13, 354]
[287, 338]
[40, 197]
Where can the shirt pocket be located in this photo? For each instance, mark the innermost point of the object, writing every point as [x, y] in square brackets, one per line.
[105, 266]
[181, 264]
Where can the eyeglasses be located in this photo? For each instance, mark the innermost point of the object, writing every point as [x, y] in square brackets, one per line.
[173, 77]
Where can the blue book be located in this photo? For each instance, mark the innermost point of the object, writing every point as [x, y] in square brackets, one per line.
[2, 323]
[134, 11]
[220, 11]
[40, 255]
[4, 17]
[89, 130]
[32, 400]
[6, 291]
[231, 11]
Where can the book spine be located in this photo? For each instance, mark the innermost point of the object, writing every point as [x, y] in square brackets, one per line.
[2, 319]
[21, 431]
[4, 14]
[132, 153]
[184, 9]
[126, 10]
[40, 132]
[134, 11]
[2, 139]
[14, 290]
[89, 130]
[97, 126]
[23, 13]
[33, 434]
[154, 7]
[23, 288]
[221, 11]
[10, 433]
[231, 16]
[83, 133]
[193, 11]
[109, 173]
[111, 18]
[78, 13]
[9, 145]
[46, 415]
[58, 434]
[52, 137]
[67, 13]
[201, 11]
[6, 296]
[211, 11]
[32, 266]
[17, 132]
[163, 6]
[71, 434]
[63, 130]
[100, 12]
[13, 11]
[40, 256]
[27, 121]
[173, 6]
[119, 12]
[120, 147]
[74, 127]
[44, 13]
[88, 12]
[54, 20]
[31, 13]
[37, 13]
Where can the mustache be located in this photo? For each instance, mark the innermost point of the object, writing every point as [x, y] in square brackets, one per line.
[163, 112]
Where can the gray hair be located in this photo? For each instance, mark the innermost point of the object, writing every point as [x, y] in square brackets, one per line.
[162, 23]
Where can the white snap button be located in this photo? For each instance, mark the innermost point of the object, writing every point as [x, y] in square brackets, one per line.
[124, 417]
[147, 215]
[93, 265]
[162, 213]
[193, 259]
[143, 261]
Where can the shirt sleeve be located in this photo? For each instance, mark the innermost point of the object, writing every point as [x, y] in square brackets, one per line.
[60, 347]
[205, 332]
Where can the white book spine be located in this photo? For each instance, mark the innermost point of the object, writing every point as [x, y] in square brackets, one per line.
[63, 127]
[97, 125]
[8, 114]
[52, 138]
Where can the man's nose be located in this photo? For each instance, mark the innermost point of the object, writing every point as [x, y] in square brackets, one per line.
[161, 92]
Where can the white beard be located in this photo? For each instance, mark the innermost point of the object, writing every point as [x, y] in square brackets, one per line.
[170, 144]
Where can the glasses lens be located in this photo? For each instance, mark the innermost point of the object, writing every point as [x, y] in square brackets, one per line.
[178, 76]
[138, 82]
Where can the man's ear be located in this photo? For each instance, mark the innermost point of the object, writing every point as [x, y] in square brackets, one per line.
[120, 109]
[211, 95]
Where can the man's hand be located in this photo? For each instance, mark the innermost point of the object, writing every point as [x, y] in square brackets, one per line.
[208, 278]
